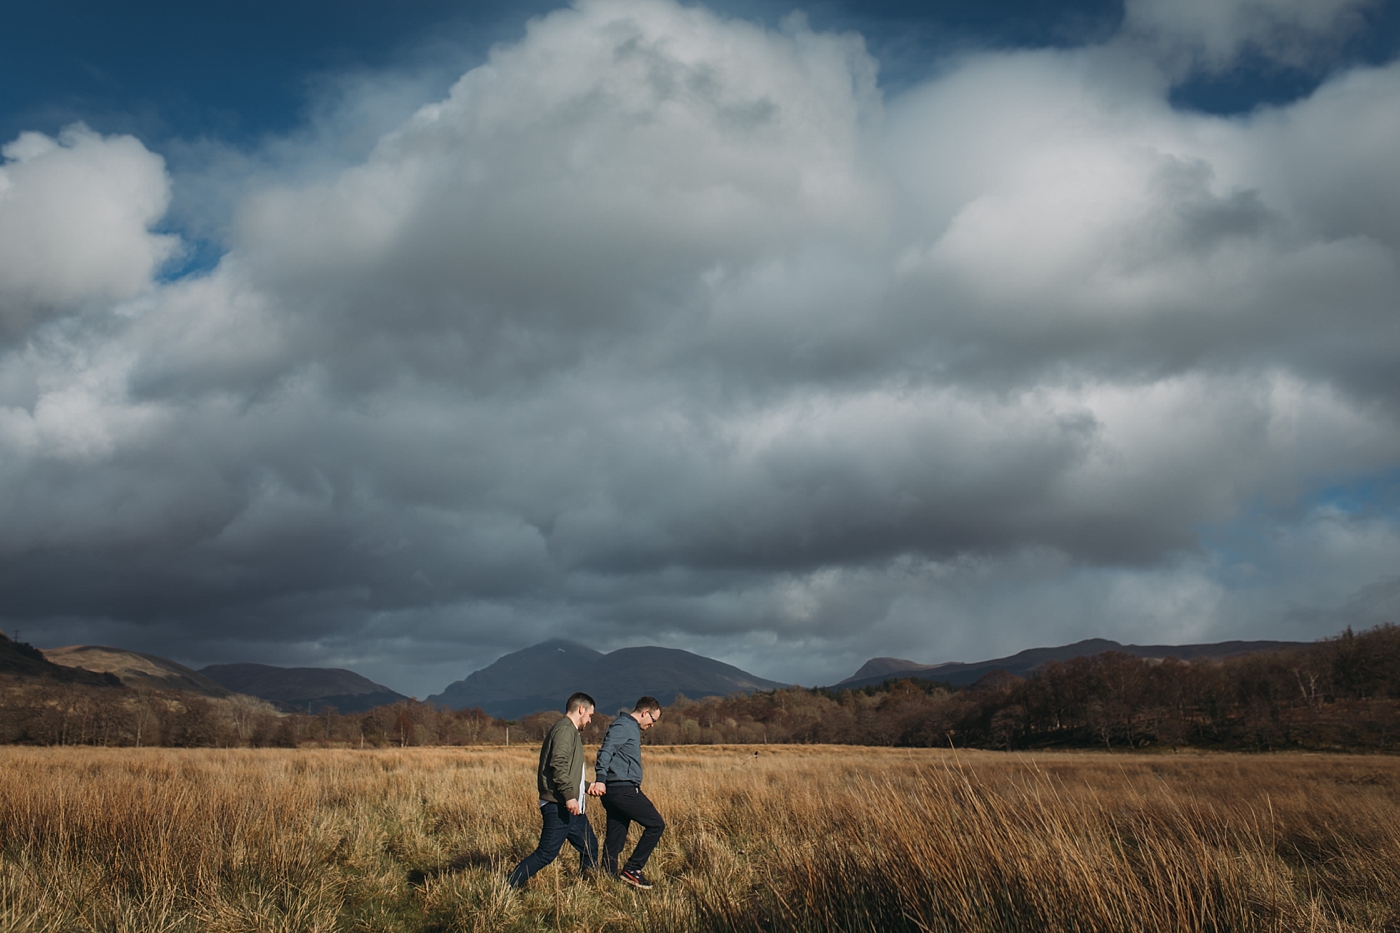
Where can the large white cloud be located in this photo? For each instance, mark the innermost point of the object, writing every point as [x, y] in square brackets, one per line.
[75, 218]
[662, 325]
[1329, 160]
[578, 178]
[1088, 220]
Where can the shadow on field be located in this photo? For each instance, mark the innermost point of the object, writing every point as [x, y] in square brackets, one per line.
[469, 858]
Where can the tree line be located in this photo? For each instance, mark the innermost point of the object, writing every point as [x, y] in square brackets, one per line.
[47, 713]
[1339, 693]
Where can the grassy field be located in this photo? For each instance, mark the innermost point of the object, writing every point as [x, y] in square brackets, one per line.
[777, 838]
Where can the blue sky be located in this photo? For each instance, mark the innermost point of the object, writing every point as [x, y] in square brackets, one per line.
[397, 337]
[239, 72]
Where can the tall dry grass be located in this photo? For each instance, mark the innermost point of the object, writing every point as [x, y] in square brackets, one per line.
[793, 838]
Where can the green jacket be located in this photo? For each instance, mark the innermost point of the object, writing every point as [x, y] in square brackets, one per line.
[561, 762]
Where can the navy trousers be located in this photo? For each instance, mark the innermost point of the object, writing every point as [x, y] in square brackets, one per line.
[559, 824]
[626, 804]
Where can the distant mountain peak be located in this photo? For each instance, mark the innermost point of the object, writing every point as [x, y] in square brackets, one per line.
[542, 676]
[878, 670]
[878, 666]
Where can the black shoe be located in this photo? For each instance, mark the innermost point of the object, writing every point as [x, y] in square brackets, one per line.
[635, 878]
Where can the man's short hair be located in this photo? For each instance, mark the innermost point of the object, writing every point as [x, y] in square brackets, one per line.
[578, 701]
[647, 703]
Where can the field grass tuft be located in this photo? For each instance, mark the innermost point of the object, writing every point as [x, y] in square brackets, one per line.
[795, 838]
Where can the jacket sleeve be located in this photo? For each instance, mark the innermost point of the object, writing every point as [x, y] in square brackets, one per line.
[560, 756]
[612, 741]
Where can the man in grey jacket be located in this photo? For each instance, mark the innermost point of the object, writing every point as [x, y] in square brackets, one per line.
[561, 783]
[619, 783]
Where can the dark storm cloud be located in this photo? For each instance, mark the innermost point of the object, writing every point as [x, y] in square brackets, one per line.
[661, 326]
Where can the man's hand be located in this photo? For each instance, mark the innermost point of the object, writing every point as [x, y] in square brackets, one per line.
[574, 807]
[597, 789]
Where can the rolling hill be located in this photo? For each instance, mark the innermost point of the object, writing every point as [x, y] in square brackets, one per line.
[303, 688]
[135, 669]
[21, 661]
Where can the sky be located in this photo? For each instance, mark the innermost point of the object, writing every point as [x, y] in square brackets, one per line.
[397, 337]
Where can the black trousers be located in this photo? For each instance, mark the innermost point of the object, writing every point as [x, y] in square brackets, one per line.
[625, 804]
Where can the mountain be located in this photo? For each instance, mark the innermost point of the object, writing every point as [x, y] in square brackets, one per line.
[300, 688]
[136, 669]
[24, 661]
[524, 681]
[878, 670]
[542, 676]
[623, 675]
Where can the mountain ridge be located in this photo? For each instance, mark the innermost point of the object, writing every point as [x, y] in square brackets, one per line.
[539, 677]
[958, 673]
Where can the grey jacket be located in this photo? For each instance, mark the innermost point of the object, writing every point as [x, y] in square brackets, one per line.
[620, 757]
[561, 762]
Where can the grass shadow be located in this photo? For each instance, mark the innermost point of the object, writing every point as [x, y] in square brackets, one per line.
[468, 858]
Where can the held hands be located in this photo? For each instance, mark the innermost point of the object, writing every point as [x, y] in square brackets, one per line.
[597, 789]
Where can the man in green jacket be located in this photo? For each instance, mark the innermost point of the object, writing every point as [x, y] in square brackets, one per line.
[561, 787]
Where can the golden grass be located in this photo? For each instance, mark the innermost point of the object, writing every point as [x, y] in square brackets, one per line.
[793, 838]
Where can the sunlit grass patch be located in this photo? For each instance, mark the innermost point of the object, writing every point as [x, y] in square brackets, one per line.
[790, 838]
